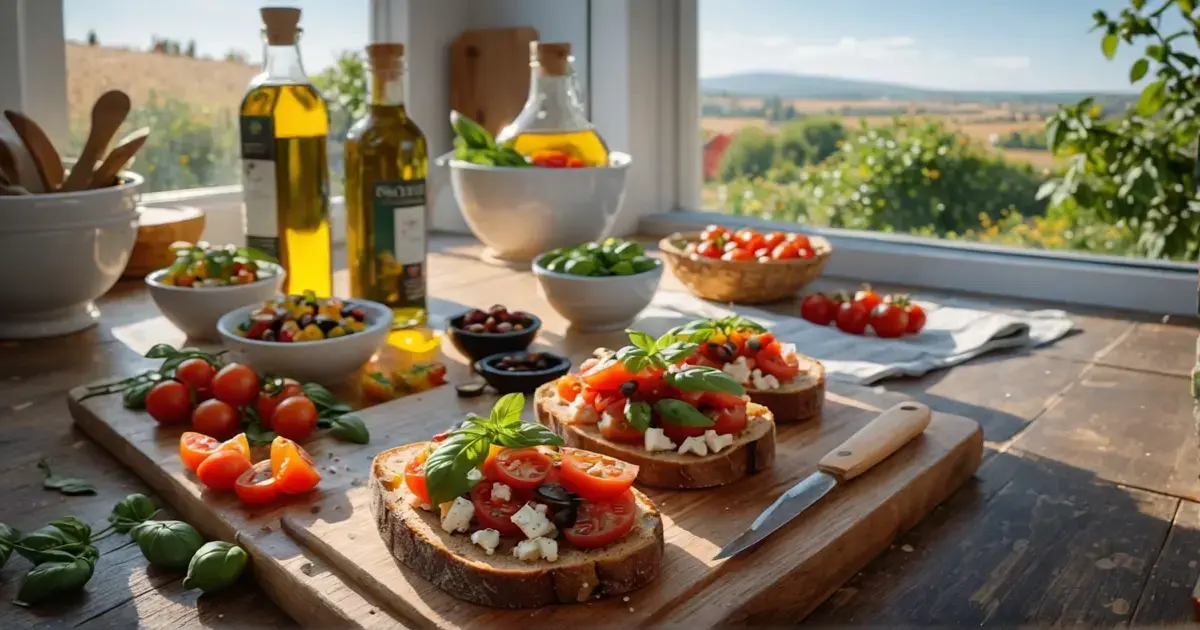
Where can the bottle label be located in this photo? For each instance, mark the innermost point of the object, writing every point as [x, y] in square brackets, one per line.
[258, 184]
[398, 207]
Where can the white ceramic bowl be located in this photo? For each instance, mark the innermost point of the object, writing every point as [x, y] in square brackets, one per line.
[195, 310]
[60, 253]
[328, 361]
[598, 303]
[519, 212]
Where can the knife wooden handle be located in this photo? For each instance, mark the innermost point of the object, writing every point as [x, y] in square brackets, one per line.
[875, 442]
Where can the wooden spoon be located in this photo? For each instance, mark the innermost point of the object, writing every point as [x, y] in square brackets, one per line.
[108, 114]
[8, 165]
[49, 164]
[119, 157]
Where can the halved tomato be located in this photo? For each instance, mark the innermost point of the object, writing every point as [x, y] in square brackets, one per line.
[495, 514]
[678, 432]
[608, 399]
[522, 467]
[237, 443]
[220, 471]
[771, 361]
[257, 486]
[604, 522]
[414, 478]
[730, 420]
[607, 376]
[614, 426]
[194, 448]
[294, 470]
[594, 476]
[721, 400]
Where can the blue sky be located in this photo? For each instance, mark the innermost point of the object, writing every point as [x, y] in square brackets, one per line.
[1035, 45]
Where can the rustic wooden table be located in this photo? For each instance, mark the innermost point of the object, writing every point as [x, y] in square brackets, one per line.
[1086, 509]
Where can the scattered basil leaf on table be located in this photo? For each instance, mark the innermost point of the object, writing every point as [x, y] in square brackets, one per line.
[52, 578]
[167, 544]
[8, 537]
[65, 485]
[73, 528]
[701, 378]
[638, 414]
[680, 413]
[132, 511]
[215, 565]
[49, 544]
[350, 428]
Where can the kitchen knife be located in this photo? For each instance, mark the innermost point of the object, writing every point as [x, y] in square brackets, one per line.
[870, 445]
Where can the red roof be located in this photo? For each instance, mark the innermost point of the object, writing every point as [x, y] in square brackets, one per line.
[713, 150]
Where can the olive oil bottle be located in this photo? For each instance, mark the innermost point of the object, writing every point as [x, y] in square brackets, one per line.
[386, 221]
[285, 173]
[553, 118]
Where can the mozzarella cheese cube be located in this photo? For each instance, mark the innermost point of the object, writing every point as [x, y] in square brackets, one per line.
[541, 508]
[656, 440]
[474, 475]
[489, 539]
[717, 442]
[501, 492]
[458, 517]
[548, 548]
[531, 522]
[579, 412]
[737, 370]
[763, 381]
[528, 550]
[694, 445]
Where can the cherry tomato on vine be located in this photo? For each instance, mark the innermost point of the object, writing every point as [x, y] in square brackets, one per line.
[169, 402]
[295, 418]
[818, 309]
[235, 384]
[197, 374]
[888, 321]
[868, 297]
[216, 419]
[267, 402]
[916, 318]
[852, 317]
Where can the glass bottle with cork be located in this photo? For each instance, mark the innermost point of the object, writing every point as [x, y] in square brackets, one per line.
[285, 174]
[386, 223]
[553, 118]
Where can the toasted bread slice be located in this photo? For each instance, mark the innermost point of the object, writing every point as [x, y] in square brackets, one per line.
[459, 567]
[798, 399]
[753, 450]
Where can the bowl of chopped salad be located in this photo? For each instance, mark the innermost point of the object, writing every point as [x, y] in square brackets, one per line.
[205, 282]
[305, 337]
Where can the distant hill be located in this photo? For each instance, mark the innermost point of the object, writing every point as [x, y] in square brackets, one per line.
[820, 87]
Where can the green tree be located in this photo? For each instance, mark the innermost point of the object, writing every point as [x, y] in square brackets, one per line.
[750, 154]
[92, 40]
[190, 51]
[810, 140]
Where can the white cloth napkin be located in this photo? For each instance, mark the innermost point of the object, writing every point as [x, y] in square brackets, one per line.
[955, 331]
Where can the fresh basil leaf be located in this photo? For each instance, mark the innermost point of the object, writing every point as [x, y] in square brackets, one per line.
[48, 544]
[700, 378]
[739, 322]
[529, 434]
[682, 414]
[642, 341]
[324, 400]
[350, 428]
[131, 511]
[160, 351]
[447, 466]
[65, 485]
[638, 415]
[256, 434]
[8, 537]
[677, 351]
[633, 359]
[73, 528]
[701, 335]
[507, 410]
[52, 578]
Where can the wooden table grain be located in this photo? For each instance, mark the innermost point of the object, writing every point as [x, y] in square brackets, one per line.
[1086, 510]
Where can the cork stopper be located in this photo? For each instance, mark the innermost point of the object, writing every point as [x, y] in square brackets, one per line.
[281, 25]
[385, 59]
[553, 57]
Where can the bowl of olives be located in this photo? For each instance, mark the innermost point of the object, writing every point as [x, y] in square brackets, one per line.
[509, 372]
[481, 333]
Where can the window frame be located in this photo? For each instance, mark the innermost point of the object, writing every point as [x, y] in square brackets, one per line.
[1159, 287]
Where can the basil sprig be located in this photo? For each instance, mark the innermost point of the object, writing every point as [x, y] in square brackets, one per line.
[647, 351]
[467, 447]
[701, 378]
[705, 328]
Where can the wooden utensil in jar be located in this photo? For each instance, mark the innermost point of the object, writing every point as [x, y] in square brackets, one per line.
[49, 164]
[108, 114]
[121, 154]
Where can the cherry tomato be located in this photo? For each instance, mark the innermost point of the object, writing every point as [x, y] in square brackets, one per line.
[805, 253]
[730, 246]
[709, 249]
[235, 384]
[799, 240]
[218, 419]
[721, 400]
[268, 401]
[818, 309]
[169, 402]
[257, 485]
[770, 360]
[785, 251]
[714, 232]
[197, 374]
[748, 239]
[614, 426]
[852, 317]
[601, 523]
[728, 421]
[607, 376]
[295, 471]
[295, 418]
[238, 444]
[738, 255]
[916, 318]
[761, 253]
[574, 162]
[888, 321]
[522, 467]
[414, 478]
[220, 471]
[194, 448]
[569, 387]
[595, 477]
[489, 464]
[772, 240]
[496, 514]
[868, 297]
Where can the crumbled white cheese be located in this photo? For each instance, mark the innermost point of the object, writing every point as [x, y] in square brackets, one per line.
[582, 413]
[458, 517]
[532, 522]
[489, 539]
[588, 364]
[717, 442]
[548, 547]
[738, 370]
[501, 492]
[763, 381]
[541, 508]
[674, 369]
[787, 350]
[474, 475]
[597, 469]
[694, 445]
[528, 550]
[656, 440]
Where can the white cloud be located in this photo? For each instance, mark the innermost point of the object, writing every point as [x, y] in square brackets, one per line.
[1009, 62]
[806, 48]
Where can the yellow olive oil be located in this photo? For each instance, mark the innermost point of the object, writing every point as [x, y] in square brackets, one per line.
[285, 172]
[386, 213]
[584, 144]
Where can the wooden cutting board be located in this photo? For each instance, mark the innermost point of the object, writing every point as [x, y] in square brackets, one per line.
[321, 559]
[489, 74]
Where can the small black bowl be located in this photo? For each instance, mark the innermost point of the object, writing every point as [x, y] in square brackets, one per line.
[507, 382]
[479, 345]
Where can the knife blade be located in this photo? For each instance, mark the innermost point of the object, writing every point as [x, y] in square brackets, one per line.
[873, 443]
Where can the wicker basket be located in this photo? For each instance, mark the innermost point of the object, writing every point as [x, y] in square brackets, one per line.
[742, 282]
